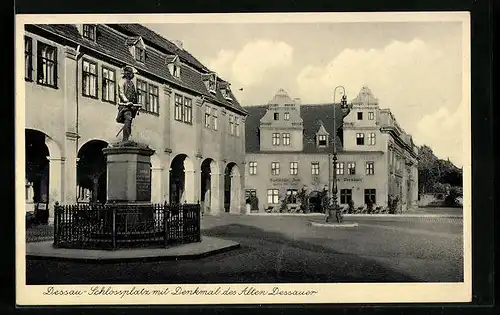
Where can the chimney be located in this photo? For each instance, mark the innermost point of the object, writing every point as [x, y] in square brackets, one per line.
[178, 43]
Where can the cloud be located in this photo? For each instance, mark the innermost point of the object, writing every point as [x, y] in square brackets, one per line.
[249, 66]
[418, 82]
[443, 130]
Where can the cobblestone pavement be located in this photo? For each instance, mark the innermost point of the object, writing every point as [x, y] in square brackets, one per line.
[289, 249]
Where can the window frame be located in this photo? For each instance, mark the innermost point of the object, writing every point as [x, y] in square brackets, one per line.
[294, 168]
[276, 116]
[275, 168]
[345, 195]
[286, 138]
[140, 53]
[208, 117]
[86, 75]
[359, 115]
[41, 65]
[292, 194]
[370, 168]
[215, 118]
[151, 98]
[314, 168]
[371, 115]
[351, 166]
[142, 93]
[276, 138]
[370, 192]
[178, 107]
[371, 138]
[360, 138]
[187, 110]
[322, 138]
[340, 168]
[85, 32]
[28, 58]
[286, 116]
[104, 81]
[252, 168]
[274, 194]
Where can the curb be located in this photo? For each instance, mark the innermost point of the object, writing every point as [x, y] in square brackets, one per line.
[362, 215]
[335, 225]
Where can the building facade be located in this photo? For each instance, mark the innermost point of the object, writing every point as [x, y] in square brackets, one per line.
[189, 117]
[289, 147]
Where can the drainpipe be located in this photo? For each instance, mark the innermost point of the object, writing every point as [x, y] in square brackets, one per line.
[78, 56]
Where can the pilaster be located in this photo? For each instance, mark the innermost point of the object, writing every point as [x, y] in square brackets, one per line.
[167, 117]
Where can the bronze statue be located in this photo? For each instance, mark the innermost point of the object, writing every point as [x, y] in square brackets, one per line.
[127, 104]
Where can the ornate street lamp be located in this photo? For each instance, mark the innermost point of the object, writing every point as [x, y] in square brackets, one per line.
[334, 206]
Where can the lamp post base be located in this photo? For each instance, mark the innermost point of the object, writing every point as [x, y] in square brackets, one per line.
[334, 214]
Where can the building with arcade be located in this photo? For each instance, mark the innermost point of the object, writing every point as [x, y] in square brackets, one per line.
[189, 116]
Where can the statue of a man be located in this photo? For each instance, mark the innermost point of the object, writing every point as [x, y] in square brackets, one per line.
[127, 104]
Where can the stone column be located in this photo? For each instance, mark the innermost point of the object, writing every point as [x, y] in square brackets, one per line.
[156, 185]
[167, 119]
[215, 194]
[165, 176]
[190, 191]
[197, 177]
[55, 183]
[70, 167]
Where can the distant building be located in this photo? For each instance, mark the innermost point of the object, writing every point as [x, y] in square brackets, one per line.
[289, 147]
[190, 116]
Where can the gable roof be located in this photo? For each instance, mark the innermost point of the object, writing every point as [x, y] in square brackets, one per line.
[112, 39]
[312, 116]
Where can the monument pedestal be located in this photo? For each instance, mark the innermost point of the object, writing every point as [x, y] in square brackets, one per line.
[129, 186]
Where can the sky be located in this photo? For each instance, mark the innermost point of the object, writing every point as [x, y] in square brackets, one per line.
[413, 68]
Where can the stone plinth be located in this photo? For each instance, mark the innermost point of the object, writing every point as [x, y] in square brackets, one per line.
[128, 173]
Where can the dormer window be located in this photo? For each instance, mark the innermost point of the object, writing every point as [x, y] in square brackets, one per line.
[174, 66]
[137, 48]
[140, 54]
[212, 83]
[226, 92]
[322, 140]
[89, 32]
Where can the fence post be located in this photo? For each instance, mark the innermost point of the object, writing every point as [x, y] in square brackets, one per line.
[113, 228]
[198, 227]
[165, 223]
[56, 224]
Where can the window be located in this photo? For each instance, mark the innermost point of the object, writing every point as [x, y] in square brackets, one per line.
[250, 192]
[231, 125]
[215, 119]
[140, 54]
[252, 168]
[28, 58]
[237, 126]
[286, 116]
[142, 92]
[226, 93]
[275, 168]
[291, 194]
[315, 168]
[276, 139]
[360, 115]
[276, 116]
[371, 115]
[370, 168]
[46, 65]
[178, 107]
[272, 196]
[322, 140]
[370, 194]
[360, 138]
[351, 168]
[286, 139]
[108, 85]
[340, 168]
[207, 117]
[89, 31]
[188, 110]
[89, 78]
[345, 195]
[153, 104]
[176, 71]
[371, 138]
[294, 168]
[212, 85]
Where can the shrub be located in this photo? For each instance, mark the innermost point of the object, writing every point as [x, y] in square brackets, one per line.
[369, 206]
[350, 208]
[451, 199]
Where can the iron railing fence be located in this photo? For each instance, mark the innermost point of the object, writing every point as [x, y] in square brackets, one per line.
[114, 226]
